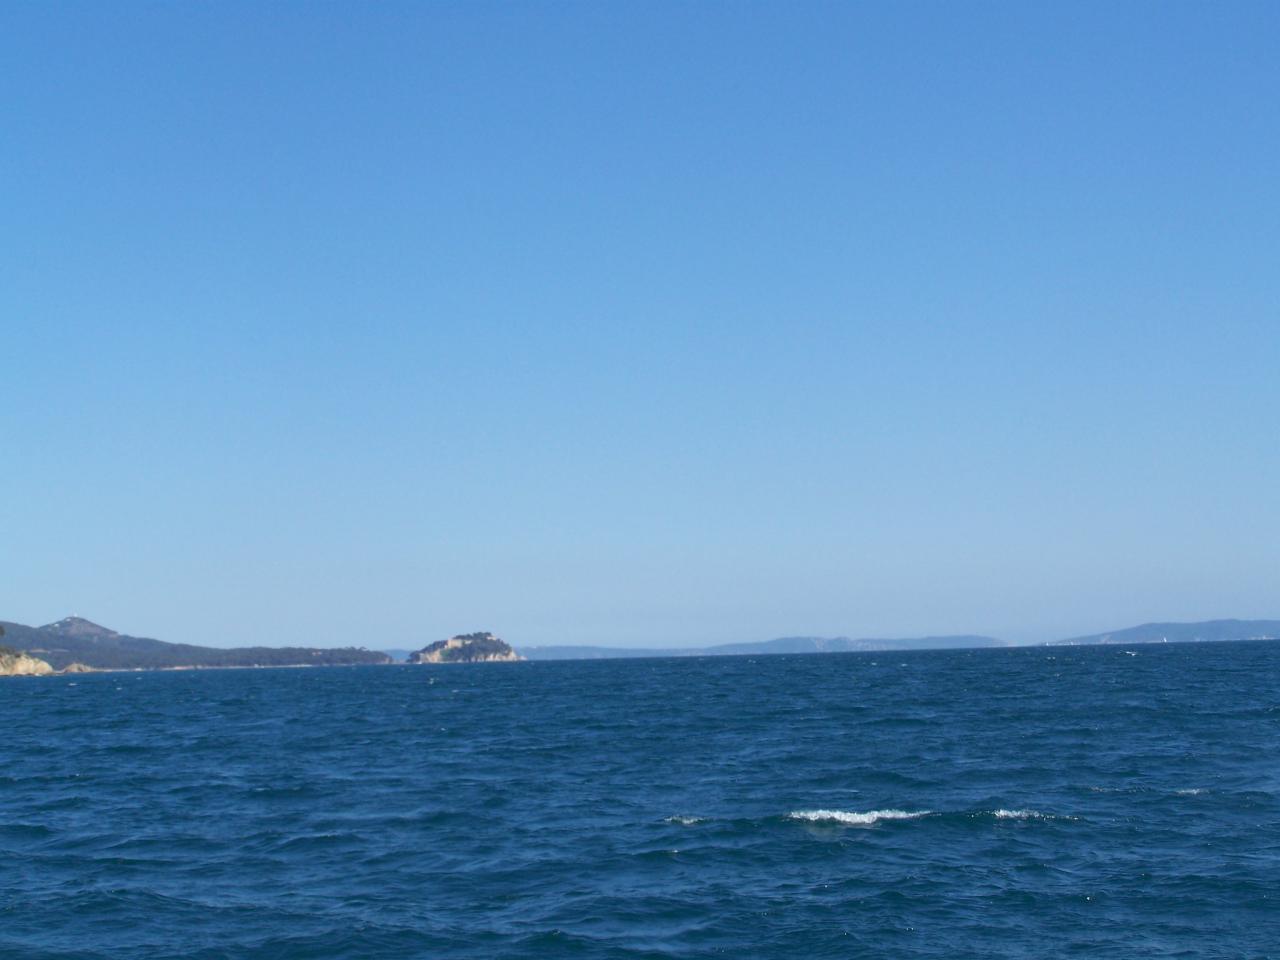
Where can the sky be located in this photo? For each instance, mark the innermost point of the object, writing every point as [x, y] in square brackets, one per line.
[638, 323]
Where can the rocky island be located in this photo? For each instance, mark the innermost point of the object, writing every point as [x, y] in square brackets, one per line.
[466, 648]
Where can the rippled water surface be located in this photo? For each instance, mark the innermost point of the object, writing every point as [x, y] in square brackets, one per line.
[1094, 802]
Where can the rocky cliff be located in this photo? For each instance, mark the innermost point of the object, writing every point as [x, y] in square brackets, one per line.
[15, 664]
[466, 648]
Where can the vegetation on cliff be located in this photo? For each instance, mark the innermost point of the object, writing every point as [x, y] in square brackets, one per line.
[15, 663]
[466, 648]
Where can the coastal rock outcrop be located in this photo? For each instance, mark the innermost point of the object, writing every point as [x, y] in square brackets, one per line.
[14, 663]
[466, 648]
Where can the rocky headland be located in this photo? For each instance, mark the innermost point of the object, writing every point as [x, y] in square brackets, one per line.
[14, 663]
[466, 648]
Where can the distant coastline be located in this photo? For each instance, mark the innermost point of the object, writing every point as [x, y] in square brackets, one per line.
[76, 645]
[75, 640]
[1203, 631]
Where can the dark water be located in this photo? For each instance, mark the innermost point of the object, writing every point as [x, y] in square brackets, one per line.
[1006, 803]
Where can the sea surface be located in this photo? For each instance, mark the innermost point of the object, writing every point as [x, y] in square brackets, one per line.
[1070, 802]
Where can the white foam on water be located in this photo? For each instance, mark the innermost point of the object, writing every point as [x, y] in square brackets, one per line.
[685, 821]
[1003, 814]
[1191, 792]
[856, 817]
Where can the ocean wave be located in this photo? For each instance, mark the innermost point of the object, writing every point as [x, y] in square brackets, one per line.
[1003, 814]
[855, 817]
[685, 821]
[1191, 792]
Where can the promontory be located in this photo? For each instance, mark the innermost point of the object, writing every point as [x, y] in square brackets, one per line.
[466, 648]
[14, 663]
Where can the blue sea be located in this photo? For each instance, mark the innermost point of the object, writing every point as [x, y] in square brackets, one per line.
[1053, 802]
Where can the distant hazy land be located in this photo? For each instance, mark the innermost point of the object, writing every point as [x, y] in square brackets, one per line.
[74, 643]
[1205, 631]
[781, 645]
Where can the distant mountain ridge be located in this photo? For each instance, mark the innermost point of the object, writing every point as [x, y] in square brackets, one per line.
[1204, 631]
[77, 640]
[782, 645]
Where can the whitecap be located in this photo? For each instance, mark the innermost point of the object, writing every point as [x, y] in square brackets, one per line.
[1003, 814]
[855, 817]
[1191, 792]
[685, 821]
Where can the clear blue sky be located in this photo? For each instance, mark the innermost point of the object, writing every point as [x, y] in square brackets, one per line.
[637, 323]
